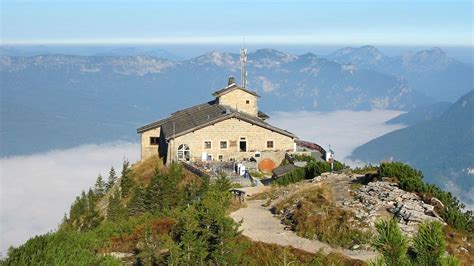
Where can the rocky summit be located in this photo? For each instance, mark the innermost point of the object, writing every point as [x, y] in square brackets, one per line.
[377, 199]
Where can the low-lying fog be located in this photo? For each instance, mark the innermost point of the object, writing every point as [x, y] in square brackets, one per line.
[343, 130]
[37, 190]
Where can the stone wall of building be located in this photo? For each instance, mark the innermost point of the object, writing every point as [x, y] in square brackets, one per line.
[231, 131]
[238, 99]
[148, 150]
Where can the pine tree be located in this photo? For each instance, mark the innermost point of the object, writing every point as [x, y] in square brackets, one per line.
[92, 217]
[164, 191]
[100, 186]
[126, 183]
[191, 248]
[391, 243]
[136, 205]
[152, 200]
[115, 210]
[112, 179]
[429, 244]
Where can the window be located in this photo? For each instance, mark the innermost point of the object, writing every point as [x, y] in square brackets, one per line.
[220, 157]
[247, 101]
[209, 157]
[223, 144]
[243, 144]
[207, 144]
[154, 140]
[183, 152]
[270, 144]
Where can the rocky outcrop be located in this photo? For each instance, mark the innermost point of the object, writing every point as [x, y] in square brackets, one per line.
[380, 199]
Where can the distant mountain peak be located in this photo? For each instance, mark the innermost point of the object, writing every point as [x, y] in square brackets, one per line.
[433, 58]
[363, 56]
[218, 58]
[268, 53]
[309, 55]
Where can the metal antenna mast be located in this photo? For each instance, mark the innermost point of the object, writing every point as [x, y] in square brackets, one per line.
[243, 61]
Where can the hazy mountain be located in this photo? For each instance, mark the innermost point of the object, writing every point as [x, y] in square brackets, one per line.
[431, 71]
[81, 50]
[139, 51]
[365, 57]
[443, 148]
[420, 114]
[70, 100]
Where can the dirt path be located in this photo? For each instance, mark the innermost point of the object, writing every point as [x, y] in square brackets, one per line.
[259, 224]
[340, 187]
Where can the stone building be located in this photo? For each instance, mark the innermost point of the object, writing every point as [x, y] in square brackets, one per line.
[228, 128]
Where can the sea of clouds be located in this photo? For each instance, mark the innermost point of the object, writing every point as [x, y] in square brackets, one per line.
[343, 130]
[36, 190]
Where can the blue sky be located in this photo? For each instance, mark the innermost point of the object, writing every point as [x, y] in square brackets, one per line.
[226, 22]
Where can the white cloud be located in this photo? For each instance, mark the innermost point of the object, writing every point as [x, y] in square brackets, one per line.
[343, 130]
[37, 190]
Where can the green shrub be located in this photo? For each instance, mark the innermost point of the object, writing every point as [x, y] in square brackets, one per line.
[61, 248]
[391, 243]
[311, 170]
[303, 158]
[292, 177]
[316, 168]
[429, 244]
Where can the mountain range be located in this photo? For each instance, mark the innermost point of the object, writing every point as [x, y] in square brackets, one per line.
[430, 72]
[442, 147]
[71, 100]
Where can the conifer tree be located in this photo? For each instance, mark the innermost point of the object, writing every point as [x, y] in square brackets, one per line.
[91, 217]
[152, 200]
[126, 183]
[115, 210]
[136, 205]
[91, 200]
[429, 244]
[112, 179]
[100, 186]
[391, 243]
[164, 192]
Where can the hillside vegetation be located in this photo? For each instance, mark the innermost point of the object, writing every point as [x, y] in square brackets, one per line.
[152, 215]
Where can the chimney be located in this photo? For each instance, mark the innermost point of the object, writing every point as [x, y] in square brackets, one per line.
[231, 80]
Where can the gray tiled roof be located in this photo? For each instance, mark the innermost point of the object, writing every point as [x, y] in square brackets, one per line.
[202, 115]
[284, 169]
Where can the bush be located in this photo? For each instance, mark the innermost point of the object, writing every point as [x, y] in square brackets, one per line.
[311, 170]
[428, 248]
[391, 243]
[316, 168]
[291, 177]
[59, 248]
[429, 244]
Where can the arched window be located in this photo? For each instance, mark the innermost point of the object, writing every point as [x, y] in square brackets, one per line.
[183, 152]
